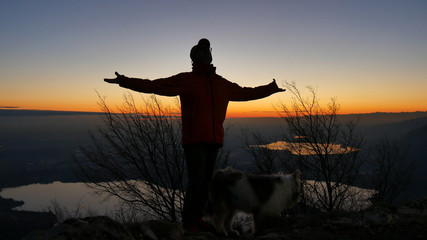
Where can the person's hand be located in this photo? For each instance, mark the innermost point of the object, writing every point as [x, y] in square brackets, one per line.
[277, 87]
[115, 80]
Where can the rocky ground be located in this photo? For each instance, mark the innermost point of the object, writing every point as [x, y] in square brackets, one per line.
[407, 221]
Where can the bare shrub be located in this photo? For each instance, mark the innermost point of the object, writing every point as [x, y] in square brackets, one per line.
[316, 142]
[63, 213]
[328, 152]
[137, 156]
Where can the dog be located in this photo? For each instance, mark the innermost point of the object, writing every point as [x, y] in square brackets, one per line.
[264, 196]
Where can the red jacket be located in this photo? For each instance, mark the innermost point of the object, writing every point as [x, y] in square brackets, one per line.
[204, 99]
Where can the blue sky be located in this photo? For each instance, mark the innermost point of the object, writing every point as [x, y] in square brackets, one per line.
[370, 55]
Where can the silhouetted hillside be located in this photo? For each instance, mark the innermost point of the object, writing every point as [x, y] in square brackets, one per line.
[417, 143]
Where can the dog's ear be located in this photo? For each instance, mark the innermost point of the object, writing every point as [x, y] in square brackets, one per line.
[297, 174]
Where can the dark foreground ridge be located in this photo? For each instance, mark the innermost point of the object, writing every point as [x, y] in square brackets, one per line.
[406, 221]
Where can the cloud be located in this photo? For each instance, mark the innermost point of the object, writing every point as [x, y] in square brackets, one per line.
[9, 107]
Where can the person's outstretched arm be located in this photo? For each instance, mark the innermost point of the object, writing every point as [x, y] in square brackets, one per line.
[246, 93]
[171, 86]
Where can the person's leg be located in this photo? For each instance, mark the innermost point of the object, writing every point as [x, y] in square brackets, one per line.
[211, 157]
[195, 156]
[200, 160]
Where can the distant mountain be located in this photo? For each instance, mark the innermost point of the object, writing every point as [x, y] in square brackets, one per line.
[393, 125]
[385, 118]
[419, 135]
[416, 140]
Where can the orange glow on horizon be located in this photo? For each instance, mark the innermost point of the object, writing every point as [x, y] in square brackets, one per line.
[235, 113]
[255, 109]
[252, 114]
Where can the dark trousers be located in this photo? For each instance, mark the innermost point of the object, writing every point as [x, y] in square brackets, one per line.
[200, 160]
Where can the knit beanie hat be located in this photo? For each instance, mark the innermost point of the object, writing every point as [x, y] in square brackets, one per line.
[203, 44]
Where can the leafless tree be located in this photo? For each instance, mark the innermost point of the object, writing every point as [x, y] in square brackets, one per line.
[315, 141]
[325, 148]
[391, 169]
[137, 156]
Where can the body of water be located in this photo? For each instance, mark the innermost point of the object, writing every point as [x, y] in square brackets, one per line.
[77, 196]
[71, 196]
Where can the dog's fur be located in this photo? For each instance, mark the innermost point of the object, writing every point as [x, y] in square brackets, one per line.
[264, 196]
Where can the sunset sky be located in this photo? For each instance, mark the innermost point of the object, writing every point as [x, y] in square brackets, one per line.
[370, 55]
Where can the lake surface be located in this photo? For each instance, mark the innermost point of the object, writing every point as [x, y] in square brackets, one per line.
[72, 196]
[38, 197]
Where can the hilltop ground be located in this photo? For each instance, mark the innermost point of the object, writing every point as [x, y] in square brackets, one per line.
[407, 221]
